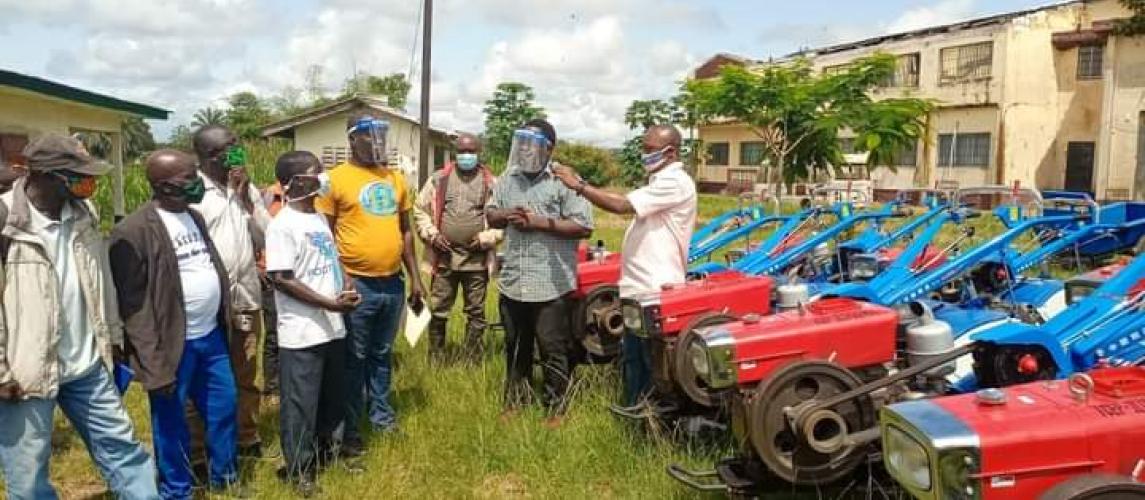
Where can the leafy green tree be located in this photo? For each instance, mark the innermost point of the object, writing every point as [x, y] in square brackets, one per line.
[596, 165]
[1133, 25]
[643, 114]
[394, 87]
[509, 108]
[180, 138]
[247, 115]
[137, 139]
[797, 113]
[208, 116]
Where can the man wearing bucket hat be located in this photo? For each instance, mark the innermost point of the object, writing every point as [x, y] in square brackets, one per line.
[60, 329]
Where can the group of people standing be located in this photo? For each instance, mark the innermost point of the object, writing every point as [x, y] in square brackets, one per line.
[178, 295]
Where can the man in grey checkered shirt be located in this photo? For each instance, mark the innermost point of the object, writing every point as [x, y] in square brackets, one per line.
[544, 222]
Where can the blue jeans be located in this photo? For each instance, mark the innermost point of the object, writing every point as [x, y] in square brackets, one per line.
[206, 378]
[94, 408]
[370, 332]
[636, 356]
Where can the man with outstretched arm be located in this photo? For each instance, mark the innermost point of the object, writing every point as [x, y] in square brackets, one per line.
[655, 251]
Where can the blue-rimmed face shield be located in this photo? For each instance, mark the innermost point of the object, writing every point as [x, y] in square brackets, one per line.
[368, 140]
[530, 151]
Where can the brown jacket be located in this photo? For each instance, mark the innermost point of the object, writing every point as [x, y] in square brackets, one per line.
[150, 294]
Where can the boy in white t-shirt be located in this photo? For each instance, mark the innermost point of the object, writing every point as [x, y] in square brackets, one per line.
[302, 262]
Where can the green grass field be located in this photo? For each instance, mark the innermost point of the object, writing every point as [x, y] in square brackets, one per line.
[452, 444]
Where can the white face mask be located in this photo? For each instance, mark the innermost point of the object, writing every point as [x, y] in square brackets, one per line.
[322, 190]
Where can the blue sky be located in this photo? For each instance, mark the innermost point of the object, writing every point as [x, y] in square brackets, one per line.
[587, 59]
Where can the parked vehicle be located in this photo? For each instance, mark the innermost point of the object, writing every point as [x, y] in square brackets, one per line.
[597, 317]
[785, 378]
[671, 317]
[1079, 439]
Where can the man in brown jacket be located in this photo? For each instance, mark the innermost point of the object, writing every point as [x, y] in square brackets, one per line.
[173, 297]
[450, 217]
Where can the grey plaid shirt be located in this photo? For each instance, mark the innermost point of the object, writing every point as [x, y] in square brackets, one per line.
[538, 266]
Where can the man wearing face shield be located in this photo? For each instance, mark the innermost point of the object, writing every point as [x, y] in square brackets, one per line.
[655, 250]
[60, 328]
[368, 209]
[544, 221]
[236, 220]
[450, 216]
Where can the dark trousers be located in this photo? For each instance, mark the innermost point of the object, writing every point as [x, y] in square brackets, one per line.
[548, 326]
[443, 293]
[313, 399]
[270, 343]
[636, 365]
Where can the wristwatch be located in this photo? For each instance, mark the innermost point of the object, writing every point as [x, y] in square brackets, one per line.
[580, 187]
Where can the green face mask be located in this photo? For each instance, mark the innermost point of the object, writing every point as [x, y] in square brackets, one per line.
[236, 157]
[193, 191]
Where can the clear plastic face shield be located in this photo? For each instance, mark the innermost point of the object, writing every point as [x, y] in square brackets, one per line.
[368, 137]
[530, 151]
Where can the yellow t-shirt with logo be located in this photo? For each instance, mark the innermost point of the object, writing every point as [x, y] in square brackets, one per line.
[368, 203]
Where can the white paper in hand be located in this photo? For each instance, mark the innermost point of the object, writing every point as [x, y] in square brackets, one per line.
[416, 323]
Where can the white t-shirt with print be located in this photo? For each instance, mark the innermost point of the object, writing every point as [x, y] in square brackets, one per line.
[303, 244]
[202, 295]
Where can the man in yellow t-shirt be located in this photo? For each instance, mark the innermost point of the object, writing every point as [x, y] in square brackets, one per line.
[368, 208]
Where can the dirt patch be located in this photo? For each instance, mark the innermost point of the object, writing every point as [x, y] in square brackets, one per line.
[503, 486]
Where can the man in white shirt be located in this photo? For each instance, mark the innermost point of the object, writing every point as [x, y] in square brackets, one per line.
[236, 220]
[655, 251]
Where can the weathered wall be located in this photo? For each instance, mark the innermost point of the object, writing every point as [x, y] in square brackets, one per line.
[32, 114]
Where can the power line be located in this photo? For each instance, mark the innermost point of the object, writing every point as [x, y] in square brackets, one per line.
[416, 36]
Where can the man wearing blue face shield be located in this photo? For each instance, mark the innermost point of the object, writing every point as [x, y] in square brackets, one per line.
[450, 219]
[544, 221]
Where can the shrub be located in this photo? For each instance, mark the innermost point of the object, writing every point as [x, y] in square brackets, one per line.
[596, 165]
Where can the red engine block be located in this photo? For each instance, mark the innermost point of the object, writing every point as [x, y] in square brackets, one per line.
[1043, 434]
[729, 292]
[594, 273]
[853, 334]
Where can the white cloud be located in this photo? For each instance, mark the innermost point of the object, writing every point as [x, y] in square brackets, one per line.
[940, 13]
[189, 54]
[584, 78]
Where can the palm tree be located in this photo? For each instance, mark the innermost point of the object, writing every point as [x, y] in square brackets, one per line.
[208, 116]
[137, 139]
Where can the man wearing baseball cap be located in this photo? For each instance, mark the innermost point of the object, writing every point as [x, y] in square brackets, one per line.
[61, 329]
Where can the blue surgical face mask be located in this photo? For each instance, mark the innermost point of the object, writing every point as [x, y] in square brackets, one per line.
[467, 161]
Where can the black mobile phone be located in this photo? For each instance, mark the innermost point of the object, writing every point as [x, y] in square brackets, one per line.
[416, 304]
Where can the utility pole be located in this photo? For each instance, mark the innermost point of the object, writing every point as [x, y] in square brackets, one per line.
[424, 156]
